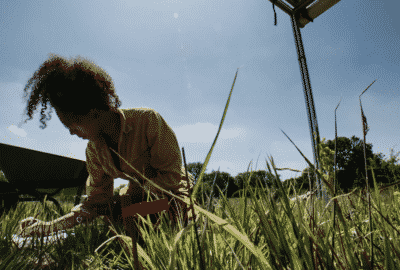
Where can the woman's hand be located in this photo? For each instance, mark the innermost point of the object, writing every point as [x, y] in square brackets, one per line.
[27, 222]
[30, 226]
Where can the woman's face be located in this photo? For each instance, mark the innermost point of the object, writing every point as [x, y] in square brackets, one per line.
[85, 127]
[83, 130]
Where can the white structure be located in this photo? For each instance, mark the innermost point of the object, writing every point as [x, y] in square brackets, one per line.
[301, 13]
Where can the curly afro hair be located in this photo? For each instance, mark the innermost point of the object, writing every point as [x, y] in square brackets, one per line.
[71, 86]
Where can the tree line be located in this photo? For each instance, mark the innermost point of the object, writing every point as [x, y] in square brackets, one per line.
[350, 167]
[350, 173]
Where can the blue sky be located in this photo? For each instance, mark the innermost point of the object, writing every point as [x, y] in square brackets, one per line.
[180, 57]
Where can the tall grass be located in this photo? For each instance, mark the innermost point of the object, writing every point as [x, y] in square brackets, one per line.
[245, 233]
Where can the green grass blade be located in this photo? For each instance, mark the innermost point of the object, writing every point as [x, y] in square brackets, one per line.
[203, 169]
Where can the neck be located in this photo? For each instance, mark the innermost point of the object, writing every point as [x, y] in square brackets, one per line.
[112, 124]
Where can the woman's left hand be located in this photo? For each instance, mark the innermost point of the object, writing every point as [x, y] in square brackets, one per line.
[31, 226]
[27, 222]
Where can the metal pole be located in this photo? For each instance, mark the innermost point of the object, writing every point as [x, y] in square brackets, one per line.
[312, 118]
[302, 13]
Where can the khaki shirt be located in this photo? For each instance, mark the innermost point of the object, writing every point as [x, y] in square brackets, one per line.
[149, 144]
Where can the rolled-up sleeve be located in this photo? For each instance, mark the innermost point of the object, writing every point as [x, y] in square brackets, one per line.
[165, 153]
[99, 185]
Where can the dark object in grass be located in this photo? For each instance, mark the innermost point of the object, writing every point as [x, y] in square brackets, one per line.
[38, 174]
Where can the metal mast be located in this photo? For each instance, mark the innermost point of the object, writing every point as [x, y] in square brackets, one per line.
[300, 16]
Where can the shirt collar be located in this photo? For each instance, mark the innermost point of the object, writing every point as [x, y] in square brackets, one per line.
[123, 120]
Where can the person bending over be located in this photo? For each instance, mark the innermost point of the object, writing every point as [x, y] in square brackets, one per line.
[86, 103]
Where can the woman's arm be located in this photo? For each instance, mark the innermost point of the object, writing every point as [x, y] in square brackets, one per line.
[78, 215]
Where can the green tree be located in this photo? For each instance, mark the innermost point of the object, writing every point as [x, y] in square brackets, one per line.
[391, 167]
[257, 177]
[195, 169]
[300, 184]
[223, 180]
[205, 187]
[350, 165]
[350, 152]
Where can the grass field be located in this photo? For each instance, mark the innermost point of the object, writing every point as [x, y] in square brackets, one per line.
[357, 233]
[77, 250]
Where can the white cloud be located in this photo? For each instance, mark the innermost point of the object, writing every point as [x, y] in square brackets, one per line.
[17, 131]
